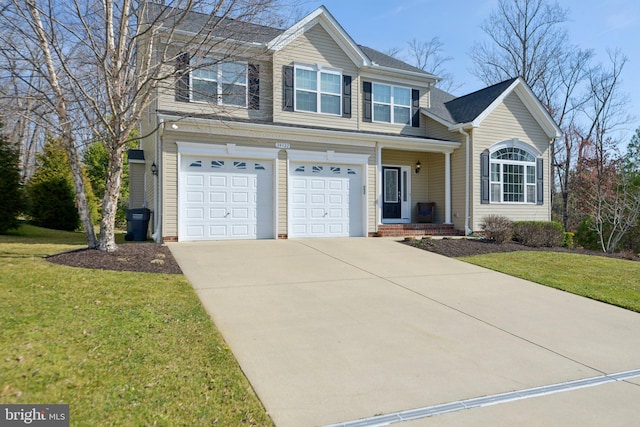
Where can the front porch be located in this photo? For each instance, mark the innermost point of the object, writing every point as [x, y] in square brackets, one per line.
[416, 229]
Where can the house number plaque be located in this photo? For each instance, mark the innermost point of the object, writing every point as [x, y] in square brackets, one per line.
[283, 145]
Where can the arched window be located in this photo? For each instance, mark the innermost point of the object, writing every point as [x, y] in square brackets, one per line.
[513, 176]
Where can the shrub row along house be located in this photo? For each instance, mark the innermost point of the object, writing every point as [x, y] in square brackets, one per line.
[305, 133]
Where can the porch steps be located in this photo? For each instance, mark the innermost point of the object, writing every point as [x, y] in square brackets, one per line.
[405, 230]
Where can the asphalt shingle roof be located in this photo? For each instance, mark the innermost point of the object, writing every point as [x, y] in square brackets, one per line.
[226, 28]
[391, 62]
[466, 108]
[249, 32]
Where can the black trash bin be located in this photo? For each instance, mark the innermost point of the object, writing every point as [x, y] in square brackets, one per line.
[137, 224]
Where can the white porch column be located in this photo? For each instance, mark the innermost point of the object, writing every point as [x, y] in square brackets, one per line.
[447, 188]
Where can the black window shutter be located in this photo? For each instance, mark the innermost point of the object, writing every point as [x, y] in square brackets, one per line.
[346, 97]
[182, 76]
[254, 86]
[287, 88]
[484, 178]
[415, 106]
[540, 181]
[366, 99]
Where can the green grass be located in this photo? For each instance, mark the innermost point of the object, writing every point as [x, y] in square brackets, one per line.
[120, 348]
[610, 280]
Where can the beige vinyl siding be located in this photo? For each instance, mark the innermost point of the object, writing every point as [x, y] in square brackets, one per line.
[136, 185]
[314, 47]
[510, 120]
[438, 131]
[170, 189]
[435, 170]
[148, 145]
[283, 189]
[458, 190]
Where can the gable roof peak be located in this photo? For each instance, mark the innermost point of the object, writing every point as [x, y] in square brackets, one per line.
[321, 16]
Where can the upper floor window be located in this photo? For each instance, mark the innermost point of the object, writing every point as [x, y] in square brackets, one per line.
[223, 83]
[318, 90]
[391, 104]
[513, 176]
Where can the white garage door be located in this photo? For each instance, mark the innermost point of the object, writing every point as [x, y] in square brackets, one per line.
[325, 200]
[224, 198]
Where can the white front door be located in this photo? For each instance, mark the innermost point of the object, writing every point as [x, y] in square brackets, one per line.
[222, 198]
[325, 200]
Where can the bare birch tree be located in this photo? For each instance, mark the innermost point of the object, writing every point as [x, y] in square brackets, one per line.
[104, 62]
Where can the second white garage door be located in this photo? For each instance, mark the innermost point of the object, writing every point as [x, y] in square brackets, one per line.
[325, 200]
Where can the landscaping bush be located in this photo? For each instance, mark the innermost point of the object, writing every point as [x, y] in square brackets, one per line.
[497, 227]
[567, 241]
[538, 233]
[10, 188]
[52, 204]
[586, 237]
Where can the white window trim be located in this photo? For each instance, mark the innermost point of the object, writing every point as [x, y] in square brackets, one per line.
[391, 104]
[524, 147]
[318, 69]
[219, 82]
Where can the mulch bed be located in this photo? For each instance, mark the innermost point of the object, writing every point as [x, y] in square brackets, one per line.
[470, 247]
[156, 258]
[140, 257]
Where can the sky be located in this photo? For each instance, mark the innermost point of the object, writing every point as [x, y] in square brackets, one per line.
[593, 24]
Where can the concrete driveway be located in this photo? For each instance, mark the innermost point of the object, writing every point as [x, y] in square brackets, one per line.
[331, 331]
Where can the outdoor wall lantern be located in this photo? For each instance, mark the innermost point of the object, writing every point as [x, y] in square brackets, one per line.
[418, 166]
[154, 169]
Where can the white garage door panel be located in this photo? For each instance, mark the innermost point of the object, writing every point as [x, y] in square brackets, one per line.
[225, 199]
[325, 200]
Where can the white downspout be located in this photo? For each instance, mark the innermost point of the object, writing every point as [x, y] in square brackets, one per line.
[467, 207]
[157, 214]
[378, 188]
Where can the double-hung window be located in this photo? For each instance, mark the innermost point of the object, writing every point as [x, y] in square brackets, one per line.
[318, 90]
[391, 104]
[513, 176]
[223, 83]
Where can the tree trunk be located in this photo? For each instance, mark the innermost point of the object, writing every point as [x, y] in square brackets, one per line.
[106, 241]
[78, 185]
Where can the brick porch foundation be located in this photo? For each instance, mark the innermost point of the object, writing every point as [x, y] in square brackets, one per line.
[403, 230]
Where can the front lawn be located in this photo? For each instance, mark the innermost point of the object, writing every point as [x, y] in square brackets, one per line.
[610, 280]
[120, 348]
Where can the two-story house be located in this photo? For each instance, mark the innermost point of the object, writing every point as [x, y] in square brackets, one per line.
[305, 133]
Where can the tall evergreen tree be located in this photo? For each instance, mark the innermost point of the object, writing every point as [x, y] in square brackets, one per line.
[10, 187]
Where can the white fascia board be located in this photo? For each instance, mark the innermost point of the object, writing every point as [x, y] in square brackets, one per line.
[226, 150]
[297, 134]
[438, 119]
[211, 38]
[324, 18]
[327, 156]
[394, 76]
[423, 145]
